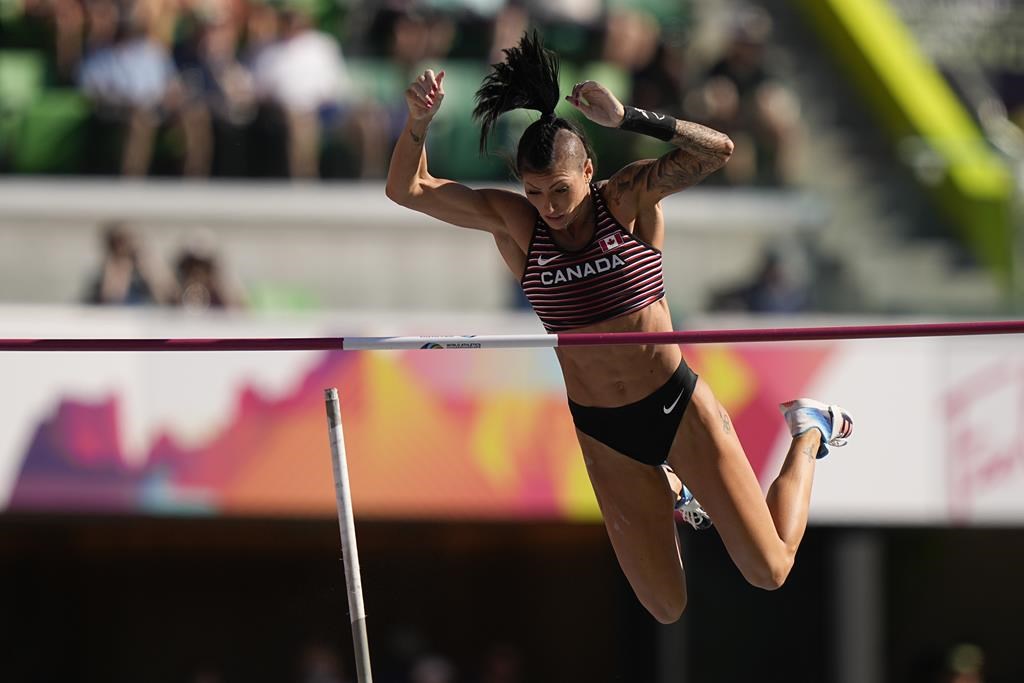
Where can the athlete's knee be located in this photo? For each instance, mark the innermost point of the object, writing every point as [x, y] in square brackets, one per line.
[770, 573]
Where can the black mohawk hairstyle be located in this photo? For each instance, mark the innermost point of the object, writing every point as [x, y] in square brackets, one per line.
[527, 79]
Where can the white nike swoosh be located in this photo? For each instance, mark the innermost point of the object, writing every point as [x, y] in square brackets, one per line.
[669, 409]
[541, 261]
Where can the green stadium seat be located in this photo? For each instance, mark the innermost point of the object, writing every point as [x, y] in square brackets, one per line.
[274, 296]
[22, 74]
[568, 76]
[675, 12]
[379, 79]
[570, 41]
[51, 137]
[614, 149]
[454, 135]
[22, 77]
[613, 77]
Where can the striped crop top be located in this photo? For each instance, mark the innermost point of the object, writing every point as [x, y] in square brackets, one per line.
[615, 274]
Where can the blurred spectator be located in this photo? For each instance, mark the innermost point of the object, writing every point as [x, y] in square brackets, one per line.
[572, 28]
[961, 663]
[53, 26]
[432, 669]
[778, 286]
[68, 23]
[128, 275]
[415, 40]
[417, 37]
[1011, 89]
[502, 664]
[510, 23]
[213, 75]
[404, 645]
[631, 39]
[320, 663]
[659, 83]
[203, 282]
[742, 98]
[250, 88]
[580, 12]
[262, 24]
[130, 77]
[207, 675]
[302, 73]
[634, 43]
[965, 664]
[159, 18]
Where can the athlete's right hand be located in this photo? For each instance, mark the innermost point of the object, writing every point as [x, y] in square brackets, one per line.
[424, 95]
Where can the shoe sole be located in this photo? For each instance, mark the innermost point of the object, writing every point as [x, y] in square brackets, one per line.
[824, 407]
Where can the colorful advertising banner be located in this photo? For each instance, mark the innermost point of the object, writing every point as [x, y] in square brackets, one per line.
[473, 434]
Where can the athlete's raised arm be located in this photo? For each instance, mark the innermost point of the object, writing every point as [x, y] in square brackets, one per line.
[411, 185]
[699, 151]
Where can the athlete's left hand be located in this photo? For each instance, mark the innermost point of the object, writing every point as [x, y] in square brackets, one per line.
[597, 103]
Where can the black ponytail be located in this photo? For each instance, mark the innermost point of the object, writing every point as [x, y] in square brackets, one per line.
[527, 79]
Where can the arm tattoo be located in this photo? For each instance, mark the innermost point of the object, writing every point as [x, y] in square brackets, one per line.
[810, 452]
[621, 184]
[700, 152]
[418, 139]
[700, 140]
[726, 425]
[677, 170]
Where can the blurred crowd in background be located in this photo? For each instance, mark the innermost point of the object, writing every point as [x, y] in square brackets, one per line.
[275, 89]
[314, 88]
[406, 659]
[129, 274]
[196, 277]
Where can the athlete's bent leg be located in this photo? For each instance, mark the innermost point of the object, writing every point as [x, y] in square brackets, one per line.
[789, 496]
[761, 538]
[636, 502]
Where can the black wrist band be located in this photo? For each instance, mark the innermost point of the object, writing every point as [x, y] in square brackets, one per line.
[659, 126]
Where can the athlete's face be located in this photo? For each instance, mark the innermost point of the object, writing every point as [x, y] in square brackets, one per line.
[559, 193]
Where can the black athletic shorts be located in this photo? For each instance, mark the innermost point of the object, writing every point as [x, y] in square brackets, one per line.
[643, 430]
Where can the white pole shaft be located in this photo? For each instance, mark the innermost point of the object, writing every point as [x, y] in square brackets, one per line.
[350, 553]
